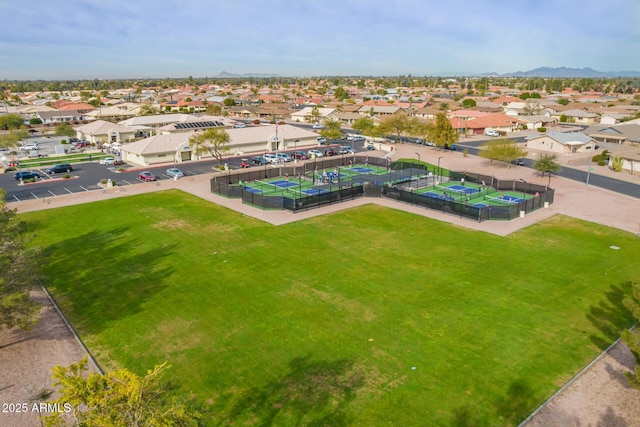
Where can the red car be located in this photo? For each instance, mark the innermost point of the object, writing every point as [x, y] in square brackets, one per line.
[244, 163]
[146, 176]
[301, 155]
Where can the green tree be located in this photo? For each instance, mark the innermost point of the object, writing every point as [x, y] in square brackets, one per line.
[331, 129]
[395, 124]
[214, 109]
[563, 101]
[632, 337]
[148, 110]
[11, 121]
[12, 138]
[64, 129]
[229, 102]
[213, 141]
[363, 124]
[616, 164]
[18, 272]
[502, 150]
[315, 114]
[35, 121]
[468, 103]
[340, 94]
[442, 133]
[118, 398]
[547, 163]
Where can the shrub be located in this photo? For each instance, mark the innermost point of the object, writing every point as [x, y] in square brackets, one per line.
[66, 176]
[465, 152]
[541, 129]
[616, 164]
[103, 181]
[602, 162]
[10, 169]
[64, 141]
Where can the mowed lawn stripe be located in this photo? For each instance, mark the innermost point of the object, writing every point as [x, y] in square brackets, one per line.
[322, 320]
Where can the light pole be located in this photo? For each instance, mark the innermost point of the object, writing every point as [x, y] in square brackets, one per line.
[438, 173]
[588, 172]
[524, 197]
[418, 179]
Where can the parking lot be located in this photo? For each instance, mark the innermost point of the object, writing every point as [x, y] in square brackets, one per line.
[87, 176]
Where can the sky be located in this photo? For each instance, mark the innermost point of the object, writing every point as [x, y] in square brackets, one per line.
[113, 39]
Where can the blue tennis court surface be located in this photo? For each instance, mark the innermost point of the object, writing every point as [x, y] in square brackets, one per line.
[463, 189]
[362, 170]
[435, 195]
[285, 184]
[314, 191]
[252, 190]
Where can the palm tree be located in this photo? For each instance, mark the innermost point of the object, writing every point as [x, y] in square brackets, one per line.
[547, 163]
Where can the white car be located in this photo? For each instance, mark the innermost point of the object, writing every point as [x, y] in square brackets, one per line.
[30, 147]
[321, 140]
[174, 173]
[108, 161]
[271, 158]
[239, 125]
[491, 132]
[314, 153]
[318, 126]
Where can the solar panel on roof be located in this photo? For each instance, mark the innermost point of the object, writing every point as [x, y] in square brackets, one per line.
[198, 125]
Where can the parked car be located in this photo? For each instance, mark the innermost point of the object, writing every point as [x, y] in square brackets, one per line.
[314, 153]
[356, 138]
[30, 147]
[25, 175]
[108, 161]
[300, 155]
[174, 173]
[59, 168]
[271, 158]
[491, 132]
[331, 152]
[146, 176]
[244, 163]
[239, 125]
[258, 160]
[321, 140]
[519, 162]
[318, 126]
[346, 149]
[284, 157]
[452, 147]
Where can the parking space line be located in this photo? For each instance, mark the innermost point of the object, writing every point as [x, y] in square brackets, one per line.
[16, 197]
[36, 197]
[127, 182]
[83, 188]
[69, 191]
[51, 192]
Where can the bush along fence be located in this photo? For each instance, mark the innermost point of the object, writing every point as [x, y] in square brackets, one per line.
[378, 178]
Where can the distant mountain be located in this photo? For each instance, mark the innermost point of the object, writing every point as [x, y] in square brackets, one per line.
[564, 72]
[226, 74]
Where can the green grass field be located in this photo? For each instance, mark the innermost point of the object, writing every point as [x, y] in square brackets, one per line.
[320, 322]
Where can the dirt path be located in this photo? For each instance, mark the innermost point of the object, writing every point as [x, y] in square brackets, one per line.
[598, 396]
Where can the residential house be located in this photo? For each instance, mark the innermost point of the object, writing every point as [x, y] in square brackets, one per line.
[577, 116]
[538, 121]
[627, 133]
[561, 142]
[380, 111]
[57, 116]
[306, 114]
[477, 126]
